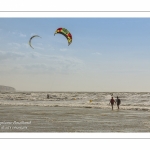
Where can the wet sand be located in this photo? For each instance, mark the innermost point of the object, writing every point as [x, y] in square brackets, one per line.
[71, 119]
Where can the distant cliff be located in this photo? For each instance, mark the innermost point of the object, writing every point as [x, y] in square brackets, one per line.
[7, 89]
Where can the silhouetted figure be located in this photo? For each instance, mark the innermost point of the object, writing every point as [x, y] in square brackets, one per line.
[47, 96]
[112, 101]
[118, 102]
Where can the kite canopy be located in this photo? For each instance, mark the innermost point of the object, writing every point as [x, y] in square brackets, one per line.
[66, 33]
[31, 39]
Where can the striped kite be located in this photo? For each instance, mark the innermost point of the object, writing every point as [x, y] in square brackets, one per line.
[66, 33]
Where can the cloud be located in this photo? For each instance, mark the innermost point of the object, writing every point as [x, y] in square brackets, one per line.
[18, 46]
[63, 49]
[19, 54]
[14, 33]
[97, 53]
[22, 35]
[17, 33]
[40, 44]
[14, 45]
[50, 47]
[26, 45]
[38, 47]
[10, 55]
[34, 62]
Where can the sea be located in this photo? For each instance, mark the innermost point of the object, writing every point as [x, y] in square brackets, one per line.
[129, 100]
[73, 112]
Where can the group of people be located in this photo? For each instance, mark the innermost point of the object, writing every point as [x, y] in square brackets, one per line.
[112, 101]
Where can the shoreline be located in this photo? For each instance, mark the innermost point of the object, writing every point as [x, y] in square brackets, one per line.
[72, 119]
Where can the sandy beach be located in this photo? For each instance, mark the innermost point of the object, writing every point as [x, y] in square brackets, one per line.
[67, 119]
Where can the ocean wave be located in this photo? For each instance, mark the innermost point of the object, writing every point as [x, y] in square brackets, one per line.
[129, 101]
[80, 105]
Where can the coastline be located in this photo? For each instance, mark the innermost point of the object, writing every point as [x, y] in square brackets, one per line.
[72, 120]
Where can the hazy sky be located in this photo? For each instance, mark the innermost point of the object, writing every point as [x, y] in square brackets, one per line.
[106, 55]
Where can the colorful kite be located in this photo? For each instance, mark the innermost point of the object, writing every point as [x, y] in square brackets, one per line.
[66, 33]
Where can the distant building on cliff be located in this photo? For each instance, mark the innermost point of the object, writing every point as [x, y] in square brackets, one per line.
[7, 89]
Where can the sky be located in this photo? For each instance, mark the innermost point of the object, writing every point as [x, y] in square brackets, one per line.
[106, 54]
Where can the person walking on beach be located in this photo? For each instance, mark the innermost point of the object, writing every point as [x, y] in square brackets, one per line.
[47, 96]
[118, 102]
[112, 101]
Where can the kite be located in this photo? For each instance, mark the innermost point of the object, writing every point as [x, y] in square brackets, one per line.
[31, 39]
[66, 33]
